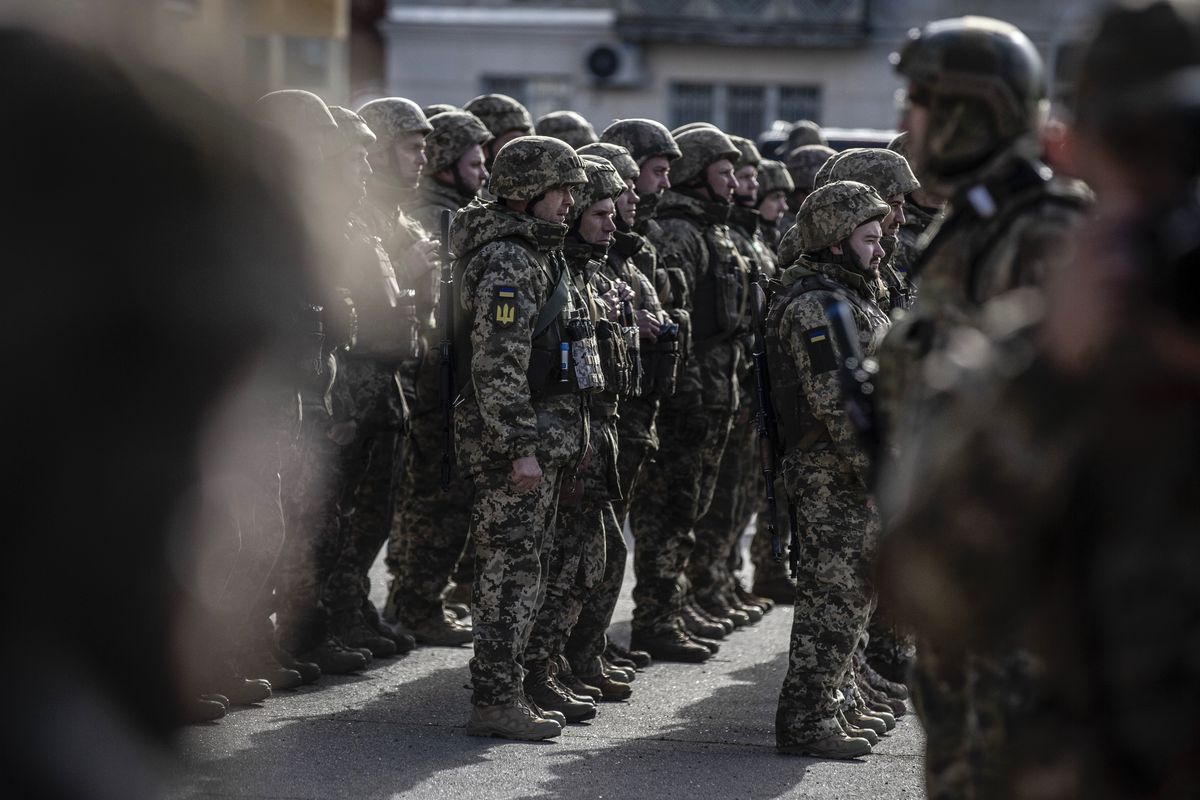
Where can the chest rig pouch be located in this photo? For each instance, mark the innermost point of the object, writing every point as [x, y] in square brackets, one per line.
[388, 326]
[719, 304]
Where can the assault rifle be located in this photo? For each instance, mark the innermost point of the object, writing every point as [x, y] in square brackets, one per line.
[446, 312]
[768, 431]
[858, 378]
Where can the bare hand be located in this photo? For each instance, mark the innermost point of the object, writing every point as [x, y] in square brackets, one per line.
[624, 290]
[425, 253]
[526, 474]
[648, 325]
[612, 305]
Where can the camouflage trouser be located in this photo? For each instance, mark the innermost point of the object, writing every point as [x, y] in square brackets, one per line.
[577, 557]
[513, 536]
[589, 638]
[939, 692]
[370, 465]
[761, 555]
[675, 492]
[637, 445]
[719, 531]
[840, 530]
[890, 649]
[430, 527]
[313, 481]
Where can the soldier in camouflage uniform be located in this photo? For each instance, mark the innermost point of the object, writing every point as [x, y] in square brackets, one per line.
[888, 173]
[694, 423]
[504, 117]
[586, 520]
[823, 464]
[430, 111]
[431, 524]
[921, 208]
[519, 424]
[974, 98]
[802, 164]
[568, 126]
[775, 186]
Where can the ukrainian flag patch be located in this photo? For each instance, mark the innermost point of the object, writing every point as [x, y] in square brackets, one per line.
[821, 357]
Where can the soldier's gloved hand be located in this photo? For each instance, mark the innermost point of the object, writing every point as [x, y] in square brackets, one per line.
[526, 474]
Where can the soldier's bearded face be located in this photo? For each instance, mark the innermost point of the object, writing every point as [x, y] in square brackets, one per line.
[596, 225]
[895, 217]
[554, 206]
[655, 175]
[747, 184]
[627, 204]
[471, 169]
[408, 155]
[720, 178]
[865, 246]
[773, 206]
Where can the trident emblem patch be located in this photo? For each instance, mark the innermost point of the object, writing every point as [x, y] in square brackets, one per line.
[505, 306]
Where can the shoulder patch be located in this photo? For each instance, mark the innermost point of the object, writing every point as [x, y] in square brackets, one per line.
[504, 306]
[821, 357]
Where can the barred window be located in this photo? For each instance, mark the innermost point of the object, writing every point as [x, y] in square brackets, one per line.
[692, 102]
[745, 110]
[800, 102]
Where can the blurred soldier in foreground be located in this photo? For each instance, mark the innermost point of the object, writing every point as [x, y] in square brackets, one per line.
[432, 521]
[824, 465]
[191, 258]
[519, 426]
[1088, 561]
[975, 96]
[921, 208]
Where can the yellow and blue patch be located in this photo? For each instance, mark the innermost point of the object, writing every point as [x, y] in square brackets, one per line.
[821, 357]
[505, 306]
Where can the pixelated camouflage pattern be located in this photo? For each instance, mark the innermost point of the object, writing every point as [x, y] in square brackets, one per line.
[603, 183]
[451, 133]
[804, 162]
[430, 111]
[352, 127]
[643, 138]
[500, 113]
[823, 173]
[883, 170]
[831, 213]
[749, 155]
[568, 126]
[616, 155]
[530, 166]
[773, 176]
[700, 147]
[390, 118]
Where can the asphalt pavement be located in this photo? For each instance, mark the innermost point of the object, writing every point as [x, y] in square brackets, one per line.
[690, 731]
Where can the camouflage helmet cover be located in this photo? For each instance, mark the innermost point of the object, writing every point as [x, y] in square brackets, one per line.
[833, 211]
[392, 117]
[822, 176]
[303, 118]
[643, 138]
[501, 114]
[529, 166]
[773, 176]
[900, 144]
[617, 155]
[983, 82]
[884, 171]
[568, 126]
[453, 133]
[750, 157]
[434, 109]
[351, 126]
[603, 183]
[803, 132]
[701, 147]
[691, 126]
[804, 162]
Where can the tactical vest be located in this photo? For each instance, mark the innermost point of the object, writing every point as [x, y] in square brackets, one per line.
[387, 330]
[799, 428]
[719, 298]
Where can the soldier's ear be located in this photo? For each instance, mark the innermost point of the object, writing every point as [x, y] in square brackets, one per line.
[836, 249]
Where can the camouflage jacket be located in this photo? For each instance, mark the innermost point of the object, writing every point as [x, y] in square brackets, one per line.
[508, 266]
[694, 239]
[426, 204]
[805, 360]
[399, 232]
[746, 231]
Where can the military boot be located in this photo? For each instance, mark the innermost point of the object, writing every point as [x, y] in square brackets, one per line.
[889, 719]
[354, 632]
[725, 624]
[754, 613]
[763, 603]
[878, 701]
[670, 645]
[403, 641]
[855, 732]
[859, 718]
[459, 593]
[717, 609]
[200, 709]
[262, 664]
[622, 674]
[333, 658]
[638, 659]
[513, 720]
[560, 670]
[834, 745]
[555, 716]
[439, 630]
[610, 690]
[541, 687]
[459, 610]
[309, 672]
[777, 587]
[897, 691]
[240, 690]
[708, 644]
[696, 625]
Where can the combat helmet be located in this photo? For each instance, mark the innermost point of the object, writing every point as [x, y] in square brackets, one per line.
[804, 162]
[603, 183]
[643, 138]
[352, 127]
[885, 171]
[831, 213]
[983, 83]
[568, 126]
[826, 169]
[616, 155]
[501, 114]
[434, 109]
[453, 132]
[303, 118]
[392, 117]
[528, 167]
[773, 176]
[749, 155]
[700, 147]
[804, 132]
